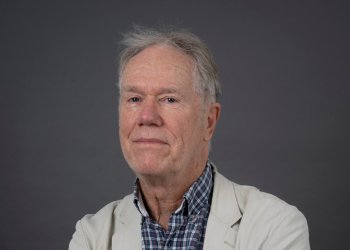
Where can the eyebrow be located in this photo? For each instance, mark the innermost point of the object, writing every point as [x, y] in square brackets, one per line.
[135, 89]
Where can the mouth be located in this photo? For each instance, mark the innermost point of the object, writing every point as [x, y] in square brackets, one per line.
[151, 141]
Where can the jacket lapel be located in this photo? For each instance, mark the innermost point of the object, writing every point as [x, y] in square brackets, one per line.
[224, 217]
[127, 228]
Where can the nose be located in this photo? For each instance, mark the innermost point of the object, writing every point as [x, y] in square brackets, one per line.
[149, 114]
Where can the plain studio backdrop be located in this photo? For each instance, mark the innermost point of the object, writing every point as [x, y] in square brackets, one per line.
[284, 126]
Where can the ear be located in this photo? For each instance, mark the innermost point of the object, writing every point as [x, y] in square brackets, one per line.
[213, 116]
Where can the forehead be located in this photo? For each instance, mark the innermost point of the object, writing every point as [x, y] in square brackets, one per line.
[159, 64]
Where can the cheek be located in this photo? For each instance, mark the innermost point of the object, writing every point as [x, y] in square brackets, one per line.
[191, 129]
[126, 118]
[125, 126]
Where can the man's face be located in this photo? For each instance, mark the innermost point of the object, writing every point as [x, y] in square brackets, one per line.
[163, 126]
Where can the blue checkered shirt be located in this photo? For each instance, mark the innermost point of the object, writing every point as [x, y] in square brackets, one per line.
[186, 227]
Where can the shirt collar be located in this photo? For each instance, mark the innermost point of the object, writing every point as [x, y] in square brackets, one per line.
[195, 198]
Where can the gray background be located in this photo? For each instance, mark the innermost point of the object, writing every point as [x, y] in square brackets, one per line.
[284, 126]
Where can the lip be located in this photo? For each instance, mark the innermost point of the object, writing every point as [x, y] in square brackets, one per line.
[149, 141]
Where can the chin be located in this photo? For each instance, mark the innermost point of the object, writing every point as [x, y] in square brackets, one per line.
[148, 167]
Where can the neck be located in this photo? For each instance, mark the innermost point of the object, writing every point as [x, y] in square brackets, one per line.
[161, 203]
[163, 196]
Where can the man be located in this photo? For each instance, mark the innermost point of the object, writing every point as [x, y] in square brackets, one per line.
[168, 111]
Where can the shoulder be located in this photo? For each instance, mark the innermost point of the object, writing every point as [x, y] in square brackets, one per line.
[274, 223]
[264, 208]
[250, 198]
[98, 227]
[101, 217]
[270, 221]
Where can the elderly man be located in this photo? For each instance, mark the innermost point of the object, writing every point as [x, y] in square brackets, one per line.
[168, 111]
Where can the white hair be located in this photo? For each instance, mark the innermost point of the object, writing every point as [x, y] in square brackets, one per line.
[207, 73]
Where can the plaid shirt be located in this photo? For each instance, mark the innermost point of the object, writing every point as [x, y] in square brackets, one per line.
[186, 228]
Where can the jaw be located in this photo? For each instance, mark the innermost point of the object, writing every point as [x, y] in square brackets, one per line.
[174, 163]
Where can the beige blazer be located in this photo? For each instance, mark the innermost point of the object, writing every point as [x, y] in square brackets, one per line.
[241, 218]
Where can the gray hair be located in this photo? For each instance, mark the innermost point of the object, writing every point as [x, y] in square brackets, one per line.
[141, 38]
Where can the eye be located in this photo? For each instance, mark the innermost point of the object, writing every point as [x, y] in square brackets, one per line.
[170, 100]
[134, 99]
